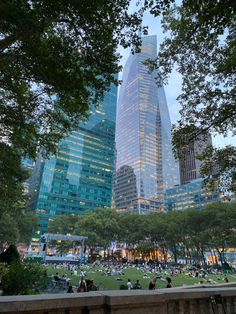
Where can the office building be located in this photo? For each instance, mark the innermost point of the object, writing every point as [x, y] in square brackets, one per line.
[189, 165]
[145, 165]
[194, 194]
[79, 178]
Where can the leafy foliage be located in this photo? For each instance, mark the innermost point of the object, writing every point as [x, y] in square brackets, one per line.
[101, 226]
[64, 225]
[16, 226]
[12, 178]
[24, 278]
[56, 61]
[186, 234]
[220, 165]
[10, 255]
[201, 44]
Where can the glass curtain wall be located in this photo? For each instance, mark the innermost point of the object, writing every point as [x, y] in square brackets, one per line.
[79, 178]
[143, 137]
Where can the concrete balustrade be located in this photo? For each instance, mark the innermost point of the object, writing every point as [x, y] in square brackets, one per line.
[185, 300]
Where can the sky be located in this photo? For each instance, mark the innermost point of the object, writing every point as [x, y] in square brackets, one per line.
[173, 88]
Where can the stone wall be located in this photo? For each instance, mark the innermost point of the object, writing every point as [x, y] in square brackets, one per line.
[203, 300]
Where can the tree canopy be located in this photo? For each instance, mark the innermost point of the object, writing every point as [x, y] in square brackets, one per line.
[182, 234]
[57, 58]
[56, 61]
[201, 44]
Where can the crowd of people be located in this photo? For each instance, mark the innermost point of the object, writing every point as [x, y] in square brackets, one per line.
[157, 272]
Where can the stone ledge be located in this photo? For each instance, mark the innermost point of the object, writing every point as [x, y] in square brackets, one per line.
[120, 302]
[49, 302]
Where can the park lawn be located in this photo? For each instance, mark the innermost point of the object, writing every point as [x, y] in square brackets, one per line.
[105, 282]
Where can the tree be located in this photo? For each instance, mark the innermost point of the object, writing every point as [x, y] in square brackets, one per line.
[201, 43]
[12, 178]
[100, 226]
[10, 255]
[56, 61]
[65, 224]
[62, 225]
[132, 230]
[16, 226]
[219, 169]
[174, 233]
[195, 235]
[24, 278]
[220, 226]
[156, 227]
[9, 232]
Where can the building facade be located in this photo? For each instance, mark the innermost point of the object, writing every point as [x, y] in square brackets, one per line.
[79, 178]
[145, 165]
[194, 194]
[189, 165]
[28, 164]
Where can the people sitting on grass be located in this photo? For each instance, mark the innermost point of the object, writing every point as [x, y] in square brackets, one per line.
[90, 285]
[169, 282]
[137, 285]
[129, 285]
[82, 287]
[66, 279]
[70, 289]
[152, 284]
[56, 277]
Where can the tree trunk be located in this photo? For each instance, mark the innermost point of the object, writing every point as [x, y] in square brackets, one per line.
[190, 257]
[220, 256]
[175, 255]
[203, 256]
[216, 259]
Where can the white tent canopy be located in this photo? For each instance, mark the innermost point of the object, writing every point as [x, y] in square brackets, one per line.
[63, 237]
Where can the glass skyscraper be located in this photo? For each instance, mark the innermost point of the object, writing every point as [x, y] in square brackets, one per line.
[79, 177]
[194, 194]
[145, 165]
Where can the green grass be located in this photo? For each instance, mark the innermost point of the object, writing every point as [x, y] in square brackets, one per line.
[111, 283]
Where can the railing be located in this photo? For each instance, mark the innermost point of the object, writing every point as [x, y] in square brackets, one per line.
[217, 299]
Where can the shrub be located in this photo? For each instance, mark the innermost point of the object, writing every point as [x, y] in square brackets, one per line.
[24, 278]
[123, 287]
[10, 255]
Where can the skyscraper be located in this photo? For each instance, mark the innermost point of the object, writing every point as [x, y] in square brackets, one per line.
[188, 163]
[79, 177]
[145, 165]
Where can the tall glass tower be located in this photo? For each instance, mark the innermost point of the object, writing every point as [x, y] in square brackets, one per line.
[79, 177]
[145, 165]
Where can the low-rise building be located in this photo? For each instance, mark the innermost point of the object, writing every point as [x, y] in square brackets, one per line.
[194, 194]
